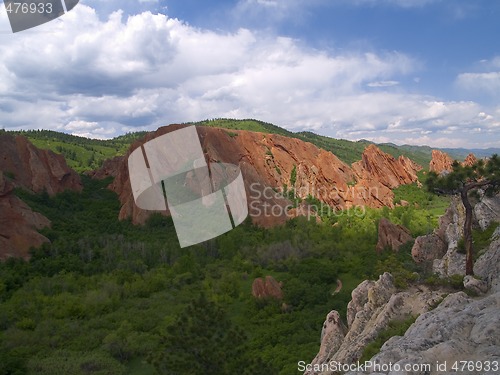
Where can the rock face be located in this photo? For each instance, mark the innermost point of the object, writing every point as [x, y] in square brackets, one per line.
[460, 328]
[267, 288]
[36, 169]
[24, 165]
[269, 162]
[109, 168]
[440, 162]
[469, 160]
[487, 210]
[391, 235]
[441, 247]
[427, 248]
[384, 168]
[18, 228]
[374, 304]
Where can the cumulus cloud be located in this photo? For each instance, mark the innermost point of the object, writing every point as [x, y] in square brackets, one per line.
[94, 77]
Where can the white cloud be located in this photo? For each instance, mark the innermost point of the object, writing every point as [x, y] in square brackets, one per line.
[488, 82]
[400, 3]
[382, 84]
[96, 77]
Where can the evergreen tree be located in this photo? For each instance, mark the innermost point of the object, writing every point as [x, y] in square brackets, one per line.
[201, 341]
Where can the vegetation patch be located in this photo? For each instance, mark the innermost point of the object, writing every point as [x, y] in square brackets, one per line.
[395, 328]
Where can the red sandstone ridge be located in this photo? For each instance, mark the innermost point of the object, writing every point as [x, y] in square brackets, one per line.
[390, 172]
[24, 165]
[441, 162]
[271, 162]
[18, 224]
[35, 169]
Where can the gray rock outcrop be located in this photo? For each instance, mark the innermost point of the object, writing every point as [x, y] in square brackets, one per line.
[374, 304]
[487, 210]
[461, 328]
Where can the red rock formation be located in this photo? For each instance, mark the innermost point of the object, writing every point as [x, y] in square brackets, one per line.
[441, 162]
[18, 224]
[110, 167]
[36, 169]
[269, 162]
[377, 165]
[267, 288]
[391, 235]
[409, 165]
[469, 160]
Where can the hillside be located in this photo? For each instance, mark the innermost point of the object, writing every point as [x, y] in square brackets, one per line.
[347, 151]
[80, 153]
[84, 154]
[102, 295]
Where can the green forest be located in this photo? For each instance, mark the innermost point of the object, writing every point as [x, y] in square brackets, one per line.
[108, 297]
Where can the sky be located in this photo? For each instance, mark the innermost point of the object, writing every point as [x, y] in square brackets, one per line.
[421, 72]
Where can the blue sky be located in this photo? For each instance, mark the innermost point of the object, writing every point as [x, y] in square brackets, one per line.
[402, 71]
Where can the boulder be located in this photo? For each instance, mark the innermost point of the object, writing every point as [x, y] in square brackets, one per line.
[428, 248]
[267, 287]
[391, 235]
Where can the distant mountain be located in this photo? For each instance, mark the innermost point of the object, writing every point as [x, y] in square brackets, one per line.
[461, 153]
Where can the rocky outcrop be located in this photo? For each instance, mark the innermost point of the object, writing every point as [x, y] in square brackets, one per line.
[267, 287]
[271, 162]
[18, 224]
[384, 168]
[440, 162]
[36, 169]
[487, 210]
[391, 235]
[427, 248]
[109, 168]
[461, 328]
[469, 160]
[440, 248]
[374, 304]
[24, 165]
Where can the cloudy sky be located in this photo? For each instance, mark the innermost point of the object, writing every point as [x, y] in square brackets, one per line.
[402, 71]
